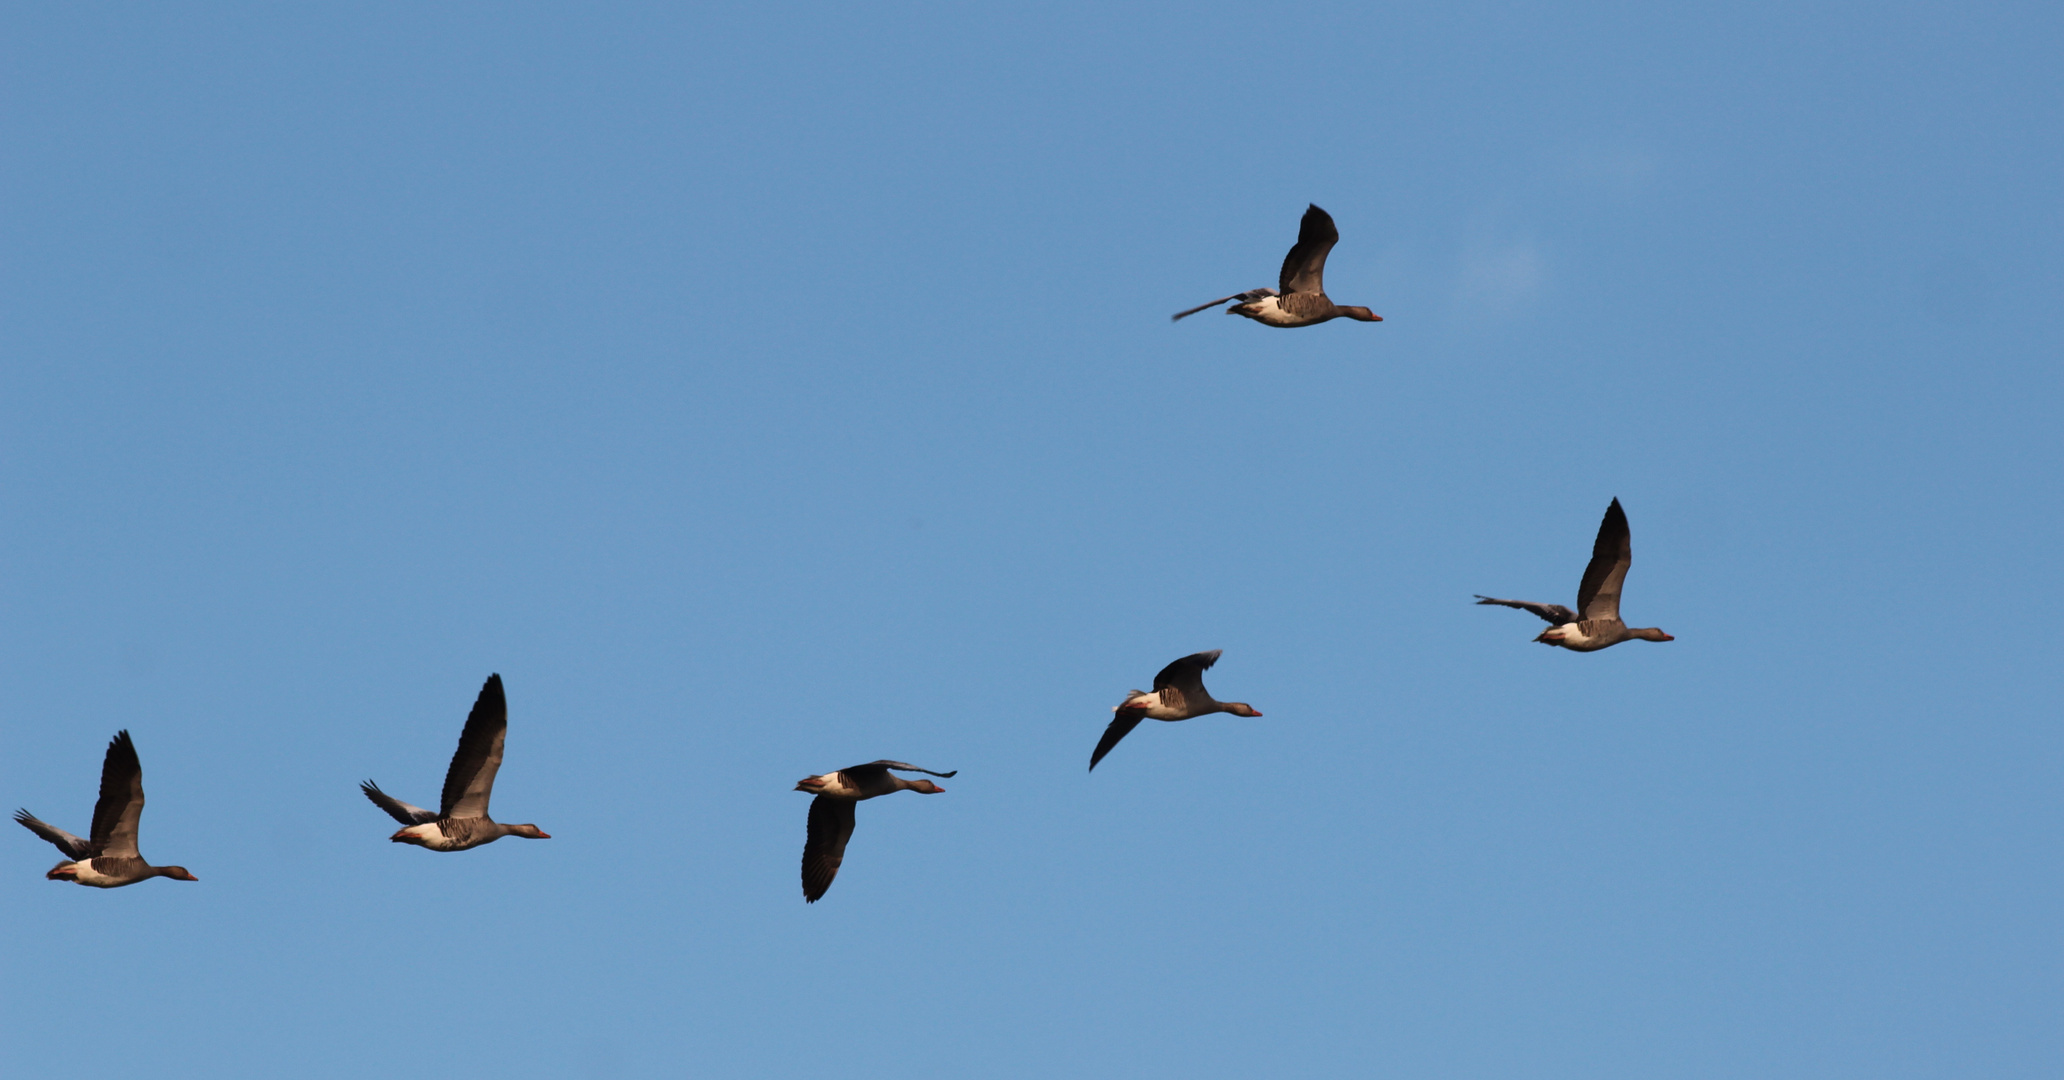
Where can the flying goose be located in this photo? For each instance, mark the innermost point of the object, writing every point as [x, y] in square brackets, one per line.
[831, 813]
[109, 860]
[1179, 694]
[461, 820]
[1596, 622]
[1303, 300]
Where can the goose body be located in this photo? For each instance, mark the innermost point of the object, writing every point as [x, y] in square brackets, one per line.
[831, 813]
[1595, 624]
[461, 821]
[1178, 694]
[108, 858]
[1302, 299]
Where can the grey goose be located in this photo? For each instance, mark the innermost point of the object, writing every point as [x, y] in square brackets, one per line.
[831, 813]
[1596, 623]
[461, 820]
[108, 858]
[1179, 694]
[1303, 300]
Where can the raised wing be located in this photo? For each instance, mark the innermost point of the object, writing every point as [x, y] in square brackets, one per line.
[1246, 297]
[1187, 675]
[470, 780]
[1121, 726]
[1556, 614]
[396, 809]
[119, 810]
[1598, 597]
[831, 825]
[1304, 269]
[73, 847]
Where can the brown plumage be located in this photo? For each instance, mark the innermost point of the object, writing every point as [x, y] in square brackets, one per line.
[461, 821]
[108, 858]
[1303, 300]
[831, 813]
[1178, 694]
[1595, 624]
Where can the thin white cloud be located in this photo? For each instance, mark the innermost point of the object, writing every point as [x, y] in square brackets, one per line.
[1500, 277]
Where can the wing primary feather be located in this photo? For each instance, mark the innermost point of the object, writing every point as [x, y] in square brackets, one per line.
[824, 848]
[1181, 315]
[1556, 614]
[1188, 672]
[912, 768]
[469, 782]
[119, 810]
[396, 809]
[1121, 726]
[73, 847]
[1304, 268]
[1598, 594]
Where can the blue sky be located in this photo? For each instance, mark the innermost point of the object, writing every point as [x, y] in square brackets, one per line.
[762, 390]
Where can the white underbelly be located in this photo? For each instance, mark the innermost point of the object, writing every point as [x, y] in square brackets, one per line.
[85, 874]
[1269, 310]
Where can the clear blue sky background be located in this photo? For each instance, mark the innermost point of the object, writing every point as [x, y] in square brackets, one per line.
[766, 389]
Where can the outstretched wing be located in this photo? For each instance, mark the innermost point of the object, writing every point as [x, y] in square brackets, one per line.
[1598, 596]
[1121, 726]
[1556, 614]
[1246, 297]
[831, 825]
[73, 847]
[1304, 269]
[396, 809]
[119, 810]
[470, 780]
[912, 768]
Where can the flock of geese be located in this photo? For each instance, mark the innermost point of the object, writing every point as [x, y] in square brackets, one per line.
[108, 857]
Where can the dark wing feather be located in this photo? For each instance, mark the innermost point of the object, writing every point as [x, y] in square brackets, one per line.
[119, 810]
[73, 847]
[1245, 297]
[1304, 269]
[1121, 726]
[396, 809]
[1598, 597]
[470, 780]
[912, 768]
[1181, 315]
[1187, 675]
[831, 825]
[1556, 614]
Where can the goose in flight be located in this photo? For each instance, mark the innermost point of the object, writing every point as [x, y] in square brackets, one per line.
[1302, 301]
[1596, 622]
[461, 820]
[108, 859]
[831, 813]
[1179, 694]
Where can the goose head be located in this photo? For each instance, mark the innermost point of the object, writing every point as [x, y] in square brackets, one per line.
[176, 873]
[529, 832]
[1360, 313]
[1650, 633]
[923, 787]
[1241, 708]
